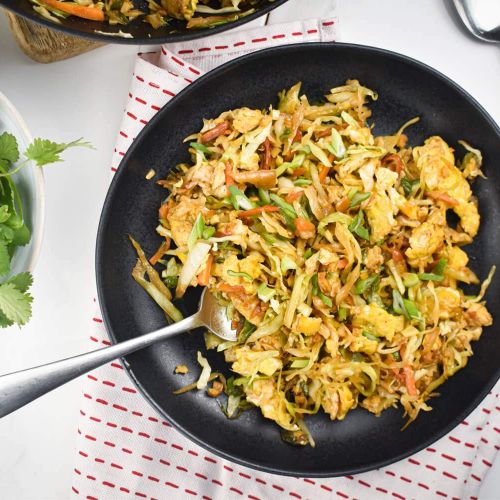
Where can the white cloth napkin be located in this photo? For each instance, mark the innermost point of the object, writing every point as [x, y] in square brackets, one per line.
[124, 449]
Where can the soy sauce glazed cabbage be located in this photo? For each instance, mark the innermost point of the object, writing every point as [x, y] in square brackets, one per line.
[331, 249]
[197, 13]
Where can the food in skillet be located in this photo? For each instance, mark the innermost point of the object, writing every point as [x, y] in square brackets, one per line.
[332, 251]
[198, 14]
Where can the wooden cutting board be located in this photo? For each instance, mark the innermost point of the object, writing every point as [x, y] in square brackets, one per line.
[45, 45]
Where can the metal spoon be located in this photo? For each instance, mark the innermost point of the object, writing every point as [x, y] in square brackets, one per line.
[468, 15]
[20, 388]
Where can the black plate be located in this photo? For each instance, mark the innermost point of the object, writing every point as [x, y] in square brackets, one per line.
[143, 33]
[362, 441]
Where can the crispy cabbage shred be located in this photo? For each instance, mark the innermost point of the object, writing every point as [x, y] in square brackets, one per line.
[331, 250]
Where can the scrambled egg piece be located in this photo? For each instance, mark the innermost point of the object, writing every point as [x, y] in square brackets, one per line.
[449, 302]
[182, 216]
[424, 241]
[249, 362]
[360, 343]
[375, 319]
[307, 326]
[438, 172]
[246, 119]
[379, 212]
[337, 401]
[263, 393]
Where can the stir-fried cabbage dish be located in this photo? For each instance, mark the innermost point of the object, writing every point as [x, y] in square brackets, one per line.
[197, 13]
[331, 249]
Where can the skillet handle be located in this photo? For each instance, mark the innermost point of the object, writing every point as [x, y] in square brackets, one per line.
[20, 388]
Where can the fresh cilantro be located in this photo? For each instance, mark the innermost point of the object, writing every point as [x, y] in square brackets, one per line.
[14, 304]
[22, 281]
[9, 152]
[43, 151]
[15, 301]
[4, 258]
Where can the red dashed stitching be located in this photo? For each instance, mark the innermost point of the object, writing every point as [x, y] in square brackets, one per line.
[397, 495]
[447, 474]
[236, 490]
[341, 494]
[422, 485]
[325, 487]
[440, 493]
[448, 457]
[364, 483]
[172, 485]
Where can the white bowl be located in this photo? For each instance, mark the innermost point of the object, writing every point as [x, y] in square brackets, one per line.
[29, 182]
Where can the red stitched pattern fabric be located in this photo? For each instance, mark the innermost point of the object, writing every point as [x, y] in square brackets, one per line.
[124, 449]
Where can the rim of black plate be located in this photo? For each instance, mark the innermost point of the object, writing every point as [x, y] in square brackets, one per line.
[192, 89]
[113, 38]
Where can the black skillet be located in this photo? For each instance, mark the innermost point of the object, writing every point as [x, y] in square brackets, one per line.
[362, 441]
[142, 33]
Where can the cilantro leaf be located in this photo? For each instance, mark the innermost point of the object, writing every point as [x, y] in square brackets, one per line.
[43, 151]
[4, 321]
[22, 281]
[15, 304]
[4, 213]
[8, 148]
[4, 258]
[21, 236]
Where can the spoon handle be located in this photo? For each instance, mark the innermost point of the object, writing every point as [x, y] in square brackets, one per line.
[20, 388]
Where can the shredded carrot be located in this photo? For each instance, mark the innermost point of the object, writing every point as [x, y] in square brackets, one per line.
[266, 159]
[410, 380]
[397, 256]
[226, 287]
[305, 229]
[323, 133]
[397, 373]
[257, 211]
[392, 159]
[204, 276]
[297, 172]
[342, 263]
[294, 195]
[213, 133]
[92, 13]
[323, 173]
[163, 212]
[229, 175]
[160, 252]
[343, 204]
[446, 198]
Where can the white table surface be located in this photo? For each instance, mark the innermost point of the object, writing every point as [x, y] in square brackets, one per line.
[84, 96]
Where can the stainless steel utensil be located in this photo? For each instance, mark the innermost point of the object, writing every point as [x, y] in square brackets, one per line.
[481, 18]
[20, 388]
